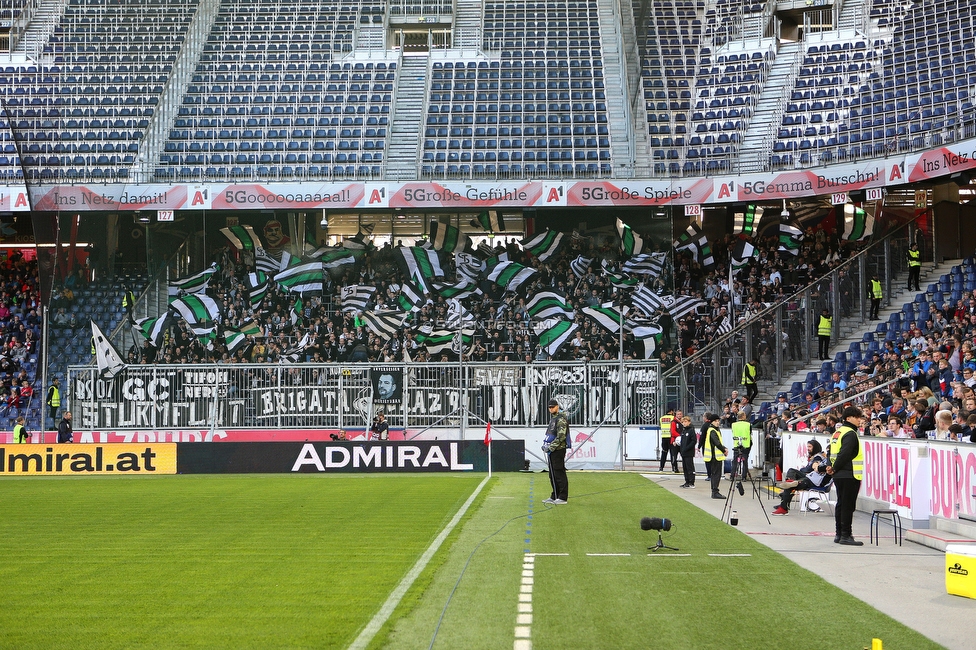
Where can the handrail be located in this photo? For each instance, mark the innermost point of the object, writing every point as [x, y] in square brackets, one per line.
[738, 329]
[830, 407]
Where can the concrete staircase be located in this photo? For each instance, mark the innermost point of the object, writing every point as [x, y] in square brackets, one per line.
[942, 532]
[46, 17]
[615, 81]
[758, 140]
[467, 24]
[407, 115]
[851, 16]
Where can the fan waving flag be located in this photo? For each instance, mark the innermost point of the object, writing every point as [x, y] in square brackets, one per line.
[694, 241]
[544, 245]
[511, 276]
[195, 283]
[420, 265]
[646, 300]
[355, 297]
[385, 324]
[200, 312]
[742, 252]
[790, 238]
[747, 221]
[444, 341]
[304, 278]
[457, 315]
[106, 355]
[549, 304]
[580, 266]
[335, 261]
[681, 306]
[630, 242]
[257, 287]
[154, 329]
[447, 238]
[490, 220]
[265, 262]
[606, 316]
[460, 290]
[646, 264]
[242, 237]
[411, 297]
[234, 340]
[858, 224]
[468, 266]
[554, 333]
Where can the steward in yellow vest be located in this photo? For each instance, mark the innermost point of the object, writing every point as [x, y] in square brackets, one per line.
[914, 267]
[714, 453]
[876, 295]
[847, 469]
[823, 333]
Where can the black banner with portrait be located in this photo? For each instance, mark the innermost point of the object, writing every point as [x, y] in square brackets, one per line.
[387, 385]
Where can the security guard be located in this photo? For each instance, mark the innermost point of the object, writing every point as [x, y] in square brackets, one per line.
[742, 447]
[714, 453]
[914, 267]
[847, 469]
[876, 296]
[666, 428]
[823, 332]
[53, 400]
[20, 432]
[750, 373]
[128, 300]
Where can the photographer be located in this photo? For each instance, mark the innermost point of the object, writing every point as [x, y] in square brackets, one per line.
[380, 429]
[811, 476]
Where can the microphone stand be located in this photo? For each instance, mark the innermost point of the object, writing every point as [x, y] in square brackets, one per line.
[660, 544]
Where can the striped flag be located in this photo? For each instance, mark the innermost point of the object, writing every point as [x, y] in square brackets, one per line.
[511, 276]
[580, 266]
[154, 329]
[250, 328]
[336, 260]
[468, 266]
[195, 283]
[304, 278]
[618, 280]
[681, 306]
[419, 264]
[858, 224]
[355, 297]
[460, 290]
[630, 242]
[411, 297]
[646, 264]
[606, 316]
[257, 287]
[694, 240]
[544, 245]
[444, 341]
[447, 238]
[288, 260]
[724, 327]
[242, 237]
[234, 340]
[457, 315]
[646, 338]
[265, 262]
[554, 333]
[490, 220]
[742, 252]
[294, 355]
[295, 313]
[384, 324]
[747, 221]
[200, 312]
[106, 355]
[646, 300]
[790, 238]
[549, 304]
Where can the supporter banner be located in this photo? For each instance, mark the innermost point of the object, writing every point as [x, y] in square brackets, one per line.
[879, 172]
[387, 385]
[953, 480]
[64, 460]
[334, 457]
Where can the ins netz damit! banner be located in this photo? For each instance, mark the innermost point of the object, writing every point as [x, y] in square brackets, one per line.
[86, 460]
[323, 457]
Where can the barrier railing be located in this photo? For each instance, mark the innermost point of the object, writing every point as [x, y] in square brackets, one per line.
[338, 396]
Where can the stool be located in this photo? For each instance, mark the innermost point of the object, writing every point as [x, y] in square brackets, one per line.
[876, 516]
[767, 481]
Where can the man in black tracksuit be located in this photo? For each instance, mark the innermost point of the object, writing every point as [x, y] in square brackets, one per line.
[686, 446]
[555, 448]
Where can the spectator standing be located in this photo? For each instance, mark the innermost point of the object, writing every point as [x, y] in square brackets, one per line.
[687, 444]
[53, 400]
[64, 429]
[381, 428]
[847, 470]
[555, 448]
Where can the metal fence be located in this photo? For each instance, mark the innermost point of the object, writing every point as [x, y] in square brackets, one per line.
[783, 337]
[413, 396]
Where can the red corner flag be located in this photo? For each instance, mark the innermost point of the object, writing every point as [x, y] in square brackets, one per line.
[488, 434]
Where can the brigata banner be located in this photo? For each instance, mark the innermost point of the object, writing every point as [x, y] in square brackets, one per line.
[67, 460]
[332, 457]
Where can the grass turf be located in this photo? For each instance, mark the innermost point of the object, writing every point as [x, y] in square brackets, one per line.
[628, 602]
[211, 561]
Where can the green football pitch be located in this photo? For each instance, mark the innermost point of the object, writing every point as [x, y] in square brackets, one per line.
[267, 561]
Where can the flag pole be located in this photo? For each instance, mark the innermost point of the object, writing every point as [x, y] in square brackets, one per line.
[488, 435]
[620, 357]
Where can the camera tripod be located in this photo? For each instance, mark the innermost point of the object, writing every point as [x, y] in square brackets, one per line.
[660, 544]
[740, 466]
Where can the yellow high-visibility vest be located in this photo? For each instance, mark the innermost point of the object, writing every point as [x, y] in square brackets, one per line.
[742, 433]
[823, 329]
[708, 451]
[876, 290]
[666, 421]
[857, 465]
[914, 258]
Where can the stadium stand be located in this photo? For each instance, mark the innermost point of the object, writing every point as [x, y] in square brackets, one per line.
[20, 334]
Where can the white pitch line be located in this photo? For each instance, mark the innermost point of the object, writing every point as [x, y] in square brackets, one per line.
[730, 555]
[608, 554]
[383, 615]
[669, 555]
[550, 554]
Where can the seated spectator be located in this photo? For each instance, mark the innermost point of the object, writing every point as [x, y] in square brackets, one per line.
[813, 475]
[60, 319]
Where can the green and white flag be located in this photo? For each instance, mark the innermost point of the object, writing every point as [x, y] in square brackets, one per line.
[447, 238]
[234, 340]
[490, 220]
[694, 240]
[411, 298]
[543, 245]
[419, 264]
[618, 280]
[154, 329]
[747, 221]
[460, 290]
[296, 311]
[355, 297]
[630, 242]
[606, 316]
[304, 278]
[742, 252]
[790, 238]
[337, 260]
[265, 262]
[257, 287]
[549, 304]
[445, 341]
[195, 283]
[510, 276]
[250, 328]
[858, 224]
[243, 238]
[200, 312]
[385, 324]
[554, 333]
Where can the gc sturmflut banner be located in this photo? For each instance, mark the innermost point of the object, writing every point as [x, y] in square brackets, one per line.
[334, 457]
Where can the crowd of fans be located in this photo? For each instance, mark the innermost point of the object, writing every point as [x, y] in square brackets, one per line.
[20, 328]
[503, 329]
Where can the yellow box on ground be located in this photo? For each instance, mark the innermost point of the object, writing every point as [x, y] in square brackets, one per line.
[961, 570]
[86, 460]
